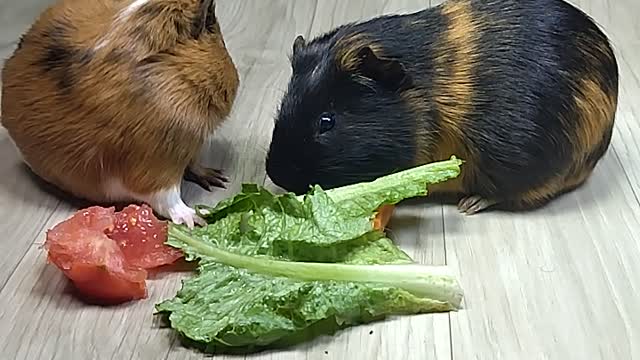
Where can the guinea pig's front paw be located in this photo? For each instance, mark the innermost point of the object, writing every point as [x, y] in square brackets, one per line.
[182, 214]
[473, 204]
[207, 178]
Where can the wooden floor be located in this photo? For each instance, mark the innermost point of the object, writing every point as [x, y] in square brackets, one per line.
[559, 283]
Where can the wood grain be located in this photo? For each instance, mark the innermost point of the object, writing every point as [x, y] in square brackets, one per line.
[557, 283]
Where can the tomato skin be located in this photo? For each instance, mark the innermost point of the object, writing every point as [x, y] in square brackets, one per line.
[99, 285]
[105, 253]
[381, 220]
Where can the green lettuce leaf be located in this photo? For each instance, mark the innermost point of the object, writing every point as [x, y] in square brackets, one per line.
[274, 267]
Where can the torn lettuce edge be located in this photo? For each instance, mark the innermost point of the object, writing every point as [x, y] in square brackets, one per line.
[364, 197]
[233, 307]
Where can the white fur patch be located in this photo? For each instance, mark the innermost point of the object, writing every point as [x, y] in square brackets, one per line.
[126, 12]
[122, 15]
[168, 203]
[115, 190]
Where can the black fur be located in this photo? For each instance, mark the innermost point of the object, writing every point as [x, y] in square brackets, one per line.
[20, 43]
[151, 12]
[302, 155]
[59, 58]
[516, 128]
[205, 20]
[522, 82]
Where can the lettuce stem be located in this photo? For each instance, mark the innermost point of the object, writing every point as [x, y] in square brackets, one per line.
[432, 282]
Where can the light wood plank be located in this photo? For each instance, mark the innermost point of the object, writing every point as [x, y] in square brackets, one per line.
[559, 283]
[17, 16]
[617, 19]
[42, 320]
[24, 208]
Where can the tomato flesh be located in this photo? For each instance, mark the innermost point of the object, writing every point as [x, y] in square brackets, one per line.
[105, 253]
[141, 237]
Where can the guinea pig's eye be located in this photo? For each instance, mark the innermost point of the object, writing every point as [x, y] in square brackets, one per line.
[327, 122]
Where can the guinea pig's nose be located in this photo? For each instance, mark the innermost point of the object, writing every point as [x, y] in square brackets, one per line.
[288, 177]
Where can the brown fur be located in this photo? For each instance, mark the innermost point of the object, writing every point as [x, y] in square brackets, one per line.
[348, 51]
[135, 98]
[453, 91]
[593, 106]
[593, 115]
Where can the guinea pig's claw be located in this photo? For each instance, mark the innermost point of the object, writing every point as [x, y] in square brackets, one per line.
[187, 216]
[206, 178]
[474, 204]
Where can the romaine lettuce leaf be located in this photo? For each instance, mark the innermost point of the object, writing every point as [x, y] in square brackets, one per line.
[274, 266]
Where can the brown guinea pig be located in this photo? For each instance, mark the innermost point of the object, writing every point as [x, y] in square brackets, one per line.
[525, 91]
[111, 100]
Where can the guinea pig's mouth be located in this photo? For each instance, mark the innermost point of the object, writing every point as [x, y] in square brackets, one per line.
[287, 177]
[299, 180]
[293, 186]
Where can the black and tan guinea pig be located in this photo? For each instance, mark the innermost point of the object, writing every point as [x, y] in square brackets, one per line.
[524, 91]
[111, 100]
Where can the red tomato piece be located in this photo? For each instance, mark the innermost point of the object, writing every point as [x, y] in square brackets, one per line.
[105, 253]
[141, 236]
[94, 263]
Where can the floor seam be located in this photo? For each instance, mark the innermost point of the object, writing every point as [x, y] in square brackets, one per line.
[626, 175]
[446, 263]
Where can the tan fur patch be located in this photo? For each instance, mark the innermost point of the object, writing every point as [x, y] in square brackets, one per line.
[348, 48]
[453, 89]
[595, 107]
[596, 112]
[542, 193]
[554, 187]
[446, 147]
[576, 179]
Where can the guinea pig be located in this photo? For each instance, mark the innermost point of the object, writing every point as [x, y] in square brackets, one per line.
[524, 91]
[112, 100]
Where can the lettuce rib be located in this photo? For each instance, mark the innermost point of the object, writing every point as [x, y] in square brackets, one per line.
[432, 282]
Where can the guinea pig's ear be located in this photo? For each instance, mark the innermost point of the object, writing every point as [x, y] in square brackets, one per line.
[298, 43]
[388, 72]
[206, 19]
